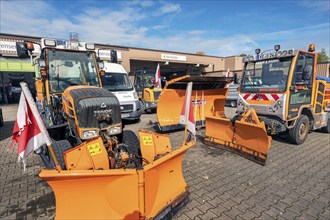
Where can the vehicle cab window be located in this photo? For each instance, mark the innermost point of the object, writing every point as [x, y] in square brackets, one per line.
[302, 79]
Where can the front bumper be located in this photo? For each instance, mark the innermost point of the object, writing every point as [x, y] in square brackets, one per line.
[150, 105]
[133, 114]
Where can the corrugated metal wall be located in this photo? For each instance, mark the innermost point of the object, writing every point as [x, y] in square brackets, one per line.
[323, 69]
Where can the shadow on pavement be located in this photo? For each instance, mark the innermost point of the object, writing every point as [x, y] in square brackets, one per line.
[7, 130]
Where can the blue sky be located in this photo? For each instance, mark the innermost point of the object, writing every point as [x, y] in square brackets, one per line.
[221, 28]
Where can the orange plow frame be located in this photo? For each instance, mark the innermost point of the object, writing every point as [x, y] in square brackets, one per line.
[247, 137]
[208, 97]
[151, 192]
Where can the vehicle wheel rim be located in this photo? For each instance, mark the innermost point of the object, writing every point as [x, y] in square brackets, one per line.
[302, 131]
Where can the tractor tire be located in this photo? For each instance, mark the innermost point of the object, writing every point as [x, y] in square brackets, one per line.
[132, 141]
[326, 129]
[1, 118]
[298, 134]
[59, 147]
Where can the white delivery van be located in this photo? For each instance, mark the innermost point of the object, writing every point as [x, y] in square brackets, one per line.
[116, 80]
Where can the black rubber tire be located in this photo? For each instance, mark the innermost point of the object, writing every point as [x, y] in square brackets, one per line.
[298, 134]
[59, 148]
[326, 129]
[1, 118]
[132, 141]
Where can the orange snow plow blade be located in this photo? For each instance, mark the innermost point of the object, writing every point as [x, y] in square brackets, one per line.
[208, 97]
[247, 137]
[153, 191]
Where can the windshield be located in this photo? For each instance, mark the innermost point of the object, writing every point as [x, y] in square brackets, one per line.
[116, 82]
[71, 68]
[266, 75]
[148, 79]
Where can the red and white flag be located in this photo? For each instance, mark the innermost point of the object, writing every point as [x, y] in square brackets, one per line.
[228, 73]
[26, 133]
[187, 115]
[157, 78]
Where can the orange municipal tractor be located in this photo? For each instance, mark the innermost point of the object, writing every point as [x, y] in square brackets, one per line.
[279, 92]
[96, 170]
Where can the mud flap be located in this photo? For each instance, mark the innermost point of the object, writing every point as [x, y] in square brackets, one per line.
[247, 138]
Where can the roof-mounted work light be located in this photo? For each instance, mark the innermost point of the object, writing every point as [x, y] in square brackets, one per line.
[311, 48]
[277, 47]
[50, 42]
[90, 46]
[258, 51]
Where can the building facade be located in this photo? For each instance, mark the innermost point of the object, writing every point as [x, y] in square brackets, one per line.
[13, 70]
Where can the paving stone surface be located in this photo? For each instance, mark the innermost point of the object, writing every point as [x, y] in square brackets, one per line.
[294, 184]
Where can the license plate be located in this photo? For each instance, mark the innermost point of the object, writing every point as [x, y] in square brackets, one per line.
[124, 115]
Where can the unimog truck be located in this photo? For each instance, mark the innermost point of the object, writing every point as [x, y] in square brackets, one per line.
[279, 93]
[97, 170]
[283, 88]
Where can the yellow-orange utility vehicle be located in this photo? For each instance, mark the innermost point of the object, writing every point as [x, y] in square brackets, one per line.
[146, 90]
[96, 170]
[279, 92]
[284, 90]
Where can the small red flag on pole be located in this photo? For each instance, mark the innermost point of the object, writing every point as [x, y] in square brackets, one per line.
[29, 130]
[157, 77]
[187, 115]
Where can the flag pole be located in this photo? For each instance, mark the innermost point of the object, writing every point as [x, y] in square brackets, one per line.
[187, 108]
[40, 123]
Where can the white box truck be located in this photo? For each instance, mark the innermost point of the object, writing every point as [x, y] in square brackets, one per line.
[116, 80]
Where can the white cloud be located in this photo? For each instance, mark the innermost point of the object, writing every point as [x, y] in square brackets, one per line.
[317, 5]
[170, 8]
[142, 3]
[125, 27]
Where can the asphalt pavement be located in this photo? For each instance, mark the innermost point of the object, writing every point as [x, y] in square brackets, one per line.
[294, 184]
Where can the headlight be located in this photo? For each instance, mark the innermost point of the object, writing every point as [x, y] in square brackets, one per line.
[279, 102]
[114, 130]
[135, 95]
[89, 134]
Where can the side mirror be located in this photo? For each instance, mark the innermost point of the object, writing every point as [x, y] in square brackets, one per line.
[114, 58]
[42, 66]
[101, 65]
[292, 88]
[22, 51]
[236, 79]
[42, 63]
[307, 72]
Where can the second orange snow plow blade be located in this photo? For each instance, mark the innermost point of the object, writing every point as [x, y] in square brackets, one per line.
[246, 136]
[208, 97]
